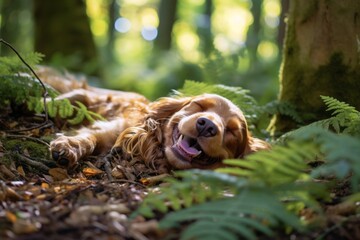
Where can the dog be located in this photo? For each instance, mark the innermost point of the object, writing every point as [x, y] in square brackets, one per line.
[167, 134]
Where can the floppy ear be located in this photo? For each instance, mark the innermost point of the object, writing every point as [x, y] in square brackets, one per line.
[256, 144]
[251, 144]
[166, 107]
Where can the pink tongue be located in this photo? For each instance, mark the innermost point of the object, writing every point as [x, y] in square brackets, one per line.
[184, 145]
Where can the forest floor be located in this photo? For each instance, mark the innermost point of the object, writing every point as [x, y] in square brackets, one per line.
[38, 200]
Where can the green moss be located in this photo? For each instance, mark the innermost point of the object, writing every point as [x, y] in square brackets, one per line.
[310, 10]
[13, 146]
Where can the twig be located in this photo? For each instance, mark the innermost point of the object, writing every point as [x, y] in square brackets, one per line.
[29, 138]
[29, 161]
[107, 166]
[154, 179]
[45, 93]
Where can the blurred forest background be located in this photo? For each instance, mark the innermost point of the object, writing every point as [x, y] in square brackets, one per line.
[153, 46]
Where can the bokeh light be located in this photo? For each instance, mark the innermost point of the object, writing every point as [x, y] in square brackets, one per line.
[149, 17]
[149, 33]
[230, 24]
[122, 25]
[267, 50]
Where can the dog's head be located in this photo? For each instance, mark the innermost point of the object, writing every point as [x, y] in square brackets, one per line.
[201, 131]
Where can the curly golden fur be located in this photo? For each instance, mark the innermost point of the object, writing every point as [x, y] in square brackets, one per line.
[171, 133]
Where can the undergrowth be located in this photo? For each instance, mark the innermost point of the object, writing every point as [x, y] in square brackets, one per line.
[20, 88]
[267, 191]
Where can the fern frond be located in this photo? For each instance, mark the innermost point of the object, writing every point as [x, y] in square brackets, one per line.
[280, 165]
[23, 89]
[82, 113]
[11, 65]
[241, 215]
[345, 117]
[283, 108]
[193, 188]
[214, 67]
[341, 153]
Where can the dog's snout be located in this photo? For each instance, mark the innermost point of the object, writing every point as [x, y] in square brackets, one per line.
[206, 127]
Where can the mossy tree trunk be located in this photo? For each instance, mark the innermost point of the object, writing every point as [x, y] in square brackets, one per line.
[321, 56]
[62, 33]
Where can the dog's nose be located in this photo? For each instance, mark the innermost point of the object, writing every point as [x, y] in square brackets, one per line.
[206, 127]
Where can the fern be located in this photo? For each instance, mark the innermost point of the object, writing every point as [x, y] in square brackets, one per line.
[237, 95]
[11, 65]
[283, 108]
[283, 164]
[233, 217]
[83, 113]
[18, 87]
[345, 117]
[231, 205]
[191, 189]
[214, 67]
[341, 153]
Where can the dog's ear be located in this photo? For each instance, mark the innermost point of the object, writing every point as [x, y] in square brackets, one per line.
[251, 144]
[256, 144]
[166, 107]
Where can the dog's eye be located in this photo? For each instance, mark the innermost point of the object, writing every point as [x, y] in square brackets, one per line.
[199, 105]
[230, 131]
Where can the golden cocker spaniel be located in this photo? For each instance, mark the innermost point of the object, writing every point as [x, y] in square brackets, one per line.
[171, 133]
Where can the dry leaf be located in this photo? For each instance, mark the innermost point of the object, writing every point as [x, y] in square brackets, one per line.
[90, 172]
[10, 216]
[44, 185]
[21, 171]
[154, 180]
[12, 194]
[58, 174]
[24, 226]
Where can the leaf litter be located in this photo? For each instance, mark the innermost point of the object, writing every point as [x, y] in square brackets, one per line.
[39, 200]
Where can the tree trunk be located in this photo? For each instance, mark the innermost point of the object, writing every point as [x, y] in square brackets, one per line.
[254, 32]
[167, 16]
[204, 28]
[15, 26]
[321, 56]
[62, 30]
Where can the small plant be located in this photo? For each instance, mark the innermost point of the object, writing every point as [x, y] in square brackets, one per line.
[19, 88]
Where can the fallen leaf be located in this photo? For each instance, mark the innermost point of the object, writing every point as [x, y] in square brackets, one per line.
[24, 226]
[21, 171]
[10, 216]
[58, 174]
[44, 185]
[90, 172]
[154, 179]
[11, 194]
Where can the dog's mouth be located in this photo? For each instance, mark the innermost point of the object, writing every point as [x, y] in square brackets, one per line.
[188, 149]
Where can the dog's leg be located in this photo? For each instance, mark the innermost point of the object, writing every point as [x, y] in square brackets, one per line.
[98, 138]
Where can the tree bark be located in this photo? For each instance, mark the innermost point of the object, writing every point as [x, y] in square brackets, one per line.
[167, 16]
[254, 32]
[62, 28]
[321, 56]
[15, 26]
[204, 28]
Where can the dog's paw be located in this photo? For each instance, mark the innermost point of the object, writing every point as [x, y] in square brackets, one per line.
[66, 151]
